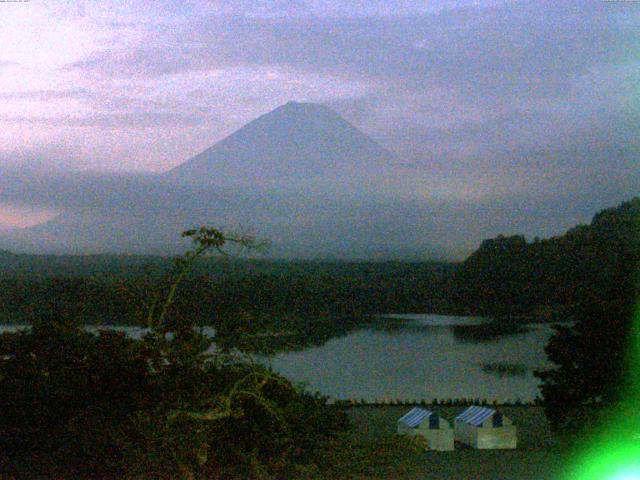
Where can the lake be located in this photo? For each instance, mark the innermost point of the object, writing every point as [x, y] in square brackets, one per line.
[411, 356]
[423, 357]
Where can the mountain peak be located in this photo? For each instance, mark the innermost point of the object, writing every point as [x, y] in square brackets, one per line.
[295, 144]
[292, 105]
[305, 111]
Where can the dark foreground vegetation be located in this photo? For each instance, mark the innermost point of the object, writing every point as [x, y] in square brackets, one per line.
[79, 405]
[76, 404]
[597, 357]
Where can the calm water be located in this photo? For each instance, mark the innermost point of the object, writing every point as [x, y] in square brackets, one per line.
[419, 357]
[423, 357]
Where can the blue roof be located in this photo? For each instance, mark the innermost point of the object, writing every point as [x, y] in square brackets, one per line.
[415, 416]
[476, 415]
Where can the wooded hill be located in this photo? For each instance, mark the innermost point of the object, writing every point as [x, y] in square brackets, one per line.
[541, 279]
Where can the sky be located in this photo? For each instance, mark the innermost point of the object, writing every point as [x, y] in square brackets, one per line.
[537, 100]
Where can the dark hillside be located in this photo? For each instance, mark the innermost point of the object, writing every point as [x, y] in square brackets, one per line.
[510, 276]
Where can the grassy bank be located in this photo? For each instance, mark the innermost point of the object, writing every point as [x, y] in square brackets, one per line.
[376, 452]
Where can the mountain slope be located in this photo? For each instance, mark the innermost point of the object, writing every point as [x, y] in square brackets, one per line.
[300, 176]
[297, 144]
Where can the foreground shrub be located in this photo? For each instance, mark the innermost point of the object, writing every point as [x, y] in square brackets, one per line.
[168, 405]
[67, 395]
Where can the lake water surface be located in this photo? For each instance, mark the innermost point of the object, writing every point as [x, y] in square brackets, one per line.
[418, 357]
[423, 357]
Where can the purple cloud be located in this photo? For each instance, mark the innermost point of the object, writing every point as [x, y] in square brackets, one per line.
[110, 120]
[516, 98]
[46, 95]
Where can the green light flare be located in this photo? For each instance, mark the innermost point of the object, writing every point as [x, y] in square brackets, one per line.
[627, 475]
[614, 452]
[614, 459]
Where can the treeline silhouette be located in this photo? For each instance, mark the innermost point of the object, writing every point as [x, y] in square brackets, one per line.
[217, 288]
[596, 359]
[507, 278]
[545, 279]
[436, 402]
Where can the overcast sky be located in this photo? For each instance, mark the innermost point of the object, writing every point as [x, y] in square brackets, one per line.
[528, 99]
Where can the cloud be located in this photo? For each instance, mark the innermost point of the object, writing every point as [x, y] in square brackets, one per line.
[519, 101]
[134, 211]
[110, 120]
[61, 189]
[464, 65]
[512, 46]
[45, 95]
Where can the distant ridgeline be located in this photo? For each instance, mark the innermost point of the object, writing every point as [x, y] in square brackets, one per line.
[507, 276]
[312, 298]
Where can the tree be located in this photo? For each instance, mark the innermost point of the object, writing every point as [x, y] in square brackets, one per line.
[169, 405]
[66, 396]
[593, 357]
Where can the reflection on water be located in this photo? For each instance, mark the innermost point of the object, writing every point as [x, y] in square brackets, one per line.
[422, 357]
[487, 332]
[428, 320]
[465, 329]
[418, 357]
[504, 369]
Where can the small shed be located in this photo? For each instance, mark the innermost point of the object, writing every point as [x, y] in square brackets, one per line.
[436, 431]
[485, 428]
